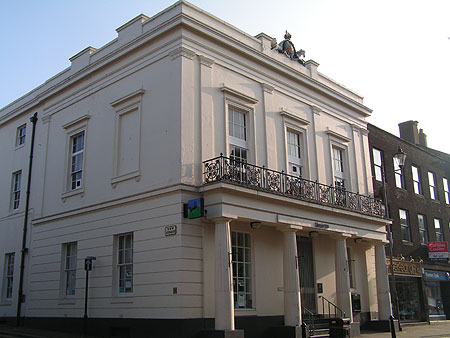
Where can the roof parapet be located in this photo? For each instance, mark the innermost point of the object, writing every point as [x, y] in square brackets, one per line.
[131, 29]
[81, 59]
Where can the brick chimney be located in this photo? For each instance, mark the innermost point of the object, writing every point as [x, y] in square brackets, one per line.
[422, 139]
[408, 131]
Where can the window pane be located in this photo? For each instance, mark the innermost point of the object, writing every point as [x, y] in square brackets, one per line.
[242, 270]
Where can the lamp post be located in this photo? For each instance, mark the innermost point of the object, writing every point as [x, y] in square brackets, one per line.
[400, 158]
[88, 267]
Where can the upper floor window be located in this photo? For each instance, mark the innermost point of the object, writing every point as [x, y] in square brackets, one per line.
[125, 263]
[338, 167]
[446, 190]
[76, 160]
[399, 176]
[404, 224]
[432, 184]
[20, 136]
[242, 270]
[8, 276]
[70, 268]
[377, 164]
[417, 182]
[438, 230]
[423, 233]
[15, 190]
[294, 153]
[237, 130]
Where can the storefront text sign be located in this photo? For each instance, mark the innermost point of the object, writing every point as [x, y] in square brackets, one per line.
[405, 268]
[438, 250]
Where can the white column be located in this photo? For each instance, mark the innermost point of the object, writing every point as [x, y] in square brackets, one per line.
[292, 301]
[343, 294]
[383, 294]
[224, 318]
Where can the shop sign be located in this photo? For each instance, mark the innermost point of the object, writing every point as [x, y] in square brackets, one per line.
[405, 268]
[438, 250]
[436, 275]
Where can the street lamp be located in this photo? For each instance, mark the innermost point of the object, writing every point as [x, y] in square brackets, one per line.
[400, 158]
[88, 267]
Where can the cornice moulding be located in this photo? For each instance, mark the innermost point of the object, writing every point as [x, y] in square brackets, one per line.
[229, 91]
[337, 135]
[286, 114]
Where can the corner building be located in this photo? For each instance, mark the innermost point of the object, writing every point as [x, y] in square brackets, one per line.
[183, 106]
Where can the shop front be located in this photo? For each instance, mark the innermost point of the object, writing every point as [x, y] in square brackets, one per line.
[437, 287]
[408, 281]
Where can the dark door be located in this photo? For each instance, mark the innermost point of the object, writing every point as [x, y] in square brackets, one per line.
[306, 273]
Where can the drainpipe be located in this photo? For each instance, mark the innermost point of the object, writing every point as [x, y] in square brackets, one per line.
[20, 298]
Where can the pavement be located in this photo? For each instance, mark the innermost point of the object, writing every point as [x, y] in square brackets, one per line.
[439, 329]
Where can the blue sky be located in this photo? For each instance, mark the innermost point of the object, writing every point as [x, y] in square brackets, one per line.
[396, 53]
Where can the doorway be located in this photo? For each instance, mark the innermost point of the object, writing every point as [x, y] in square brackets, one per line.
[306, 273]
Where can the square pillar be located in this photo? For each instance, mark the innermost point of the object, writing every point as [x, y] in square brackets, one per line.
[291, 284]
[383, 292]
[224, 318]
[343, 293]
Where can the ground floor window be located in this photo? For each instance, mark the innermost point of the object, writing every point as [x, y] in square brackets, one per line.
[242, 270]
[434, 298]
[409, 298]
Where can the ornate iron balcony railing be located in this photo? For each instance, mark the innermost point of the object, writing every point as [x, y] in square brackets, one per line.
[224, 169]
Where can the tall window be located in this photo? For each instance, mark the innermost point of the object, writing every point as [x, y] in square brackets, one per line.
[446, 190]
[237, 127]
[76, 160]
[438, 230]
[377, 164]
[432, 184]
[125, 263]
[423, 234]
[416, 180]
[15, 190]
[404, 224]
[242, 270]
[20, 137]
[70, 268]
[294, 153]
[399, 176]
[8, 276]
[338, 167]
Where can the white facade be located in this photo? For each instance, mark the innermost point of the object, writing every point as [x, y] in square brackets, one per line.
[120, 142]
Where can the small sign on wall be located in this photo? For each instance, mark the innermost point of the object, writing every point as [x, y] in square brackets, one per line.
[319, 288]
[194, 208]
[170, 230]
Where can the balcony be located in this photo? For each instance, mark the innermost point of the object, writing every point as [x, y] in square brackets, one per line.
[224, 169]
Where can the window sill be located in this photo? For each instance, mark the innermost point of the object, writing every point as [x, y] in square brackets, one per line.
[67, 301]
[67, 194]
[19, 146]
[435, 201]
[244, 312]
[134, 174]
[6, 303]
[407, 243]
[122, 299]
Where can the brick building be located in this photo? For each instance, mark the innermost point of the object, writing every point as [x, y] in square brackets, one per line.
[418, 204]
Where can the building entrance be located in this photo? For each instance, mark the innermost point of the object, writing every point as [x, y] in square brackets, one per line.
[306, 273]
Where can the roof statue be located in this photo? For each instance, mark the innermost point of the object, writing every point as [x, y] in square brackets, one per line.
[287, 48]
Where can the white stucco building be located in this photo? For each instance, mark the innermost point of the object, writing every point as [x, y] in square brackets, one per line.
[131, 131]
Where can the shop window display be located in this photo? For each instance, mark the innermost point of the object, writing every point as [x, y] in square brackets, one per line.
[434, 298]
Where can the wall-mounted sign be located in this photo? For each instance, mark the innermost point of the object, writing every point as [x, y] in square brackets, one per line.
[321, 225]
[438, 250]
[405, 268]
[436, 275]
[170, 230]
[194, 208]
